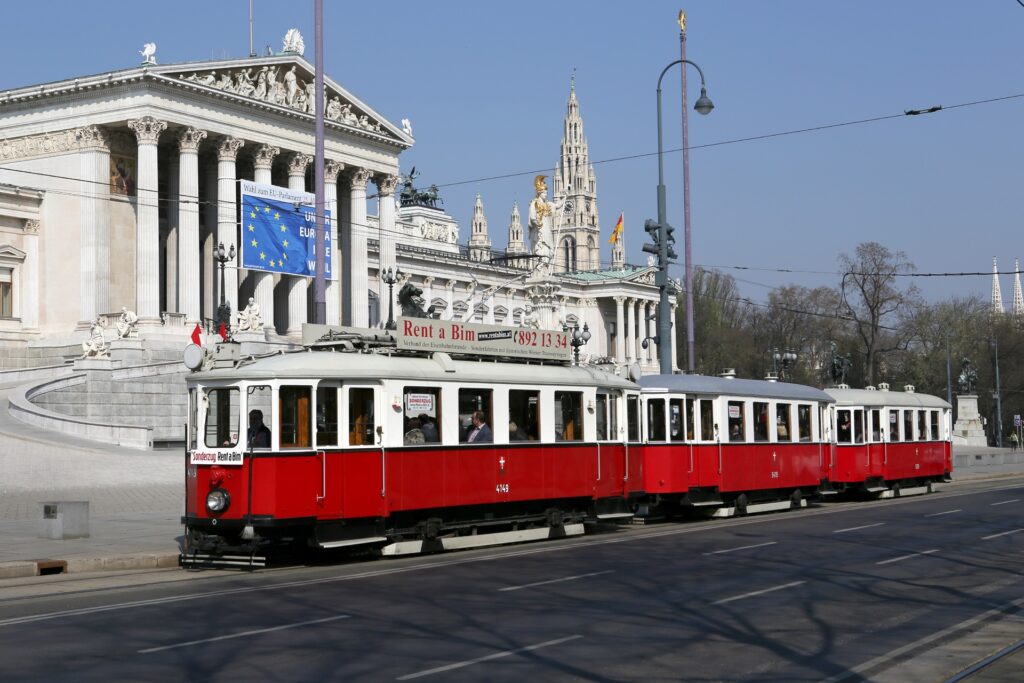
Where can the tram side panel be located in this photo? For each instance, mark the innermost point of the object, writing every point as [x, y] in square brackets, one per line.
[665, 468]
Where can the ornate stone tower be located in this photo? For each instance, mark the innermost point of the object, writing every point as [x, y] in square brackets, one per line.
[1018, 295]
[576, 226]
[516, 245]
[479, 242]
[997, 293]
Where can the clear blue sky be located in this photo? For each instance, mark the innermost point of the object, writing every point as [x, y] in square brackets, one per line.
[485, 85]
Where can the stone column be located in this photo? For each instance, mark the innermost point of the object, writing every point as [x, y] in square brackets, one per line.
[147, 236]
[672, 328]
[386, 229]
[94, 245]
[188, 223]
[263, 283]
[428, 291]
[620, 331]
[29, 311]
[170, 245]
[210, 281]
[333, 284]
[227, 219]
[630, 338]
[296, 285]
[354, 259]
[651, 331]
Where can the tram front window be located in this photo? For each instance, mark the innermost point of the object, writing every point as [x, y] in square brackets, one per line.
[259, 399]
[327, 416]
[221, 428]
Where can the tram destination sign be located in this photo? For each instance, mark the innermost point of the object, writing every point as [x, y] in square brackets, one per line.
[449, 336]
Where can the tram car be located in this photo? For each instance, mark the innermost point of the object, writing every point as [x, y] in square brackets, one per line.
[371, 439]
[732, 446]
[890, 442]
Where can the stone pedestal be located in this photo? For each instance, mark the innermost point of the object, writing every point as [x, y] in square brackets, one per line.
[129, 351]
[968, 430]
[543, 296]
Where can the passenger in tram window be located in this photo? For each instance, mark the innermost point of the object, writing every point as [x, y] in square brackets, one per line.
[428, 428]
[515, 433]
[783, 431]
[414, 435]
[259, 434]
[844, 428]
[481, 433]
[734, 432]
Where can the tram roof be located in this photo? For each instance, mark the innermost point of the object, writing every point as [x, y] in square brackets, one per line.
[437, 368]
[730, 386]
[878, 398]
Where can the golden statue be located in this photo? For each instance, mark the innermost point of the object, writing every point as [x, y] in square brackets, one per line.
[541, 233]
[682, 21]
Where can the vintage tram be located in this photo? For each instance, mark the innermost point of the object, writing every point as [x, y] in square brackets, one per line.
[890, 442]
[732, 446]
[370, 440]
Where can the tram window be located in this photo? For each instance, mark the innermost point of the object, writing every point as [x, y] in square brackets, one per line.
[472, 401]
[613, 417]
[803, 419]
[858, 426]
[737, 430]
[675, 419]
[221, 428]
[327, 416]
[422, 415]
[259, 398]
[295, 417]
[524, 410]
[568, 416]
[782, 420]
[708, 428]
[633, 418]
[922, 425]
[844, 426]
[690, 420]
[894, 425]
[761, 421]
[876, 425]
[908, 425]
[656, 419]
[601, 416]
[935, 425]
[193, 420]
[360, 417]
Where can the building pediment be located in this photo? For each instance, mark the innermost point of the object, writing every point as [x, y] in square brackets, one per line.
[11, 253]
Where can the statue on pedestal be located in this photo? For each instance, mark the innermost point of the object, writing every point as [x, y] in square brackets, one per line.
[96, 345]
[541, 234]
[249, 318]
[531, 319]
[127, 323]
[968, 379]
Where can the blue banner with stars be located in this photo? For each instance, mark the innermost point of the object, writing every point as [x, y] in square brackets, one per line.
[279, 231]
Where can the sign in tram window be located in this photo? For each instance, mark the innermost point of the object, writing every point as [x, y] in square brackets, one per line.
[844, 426]
[601, 416]
[524, 411]
[568, 416]
[633, 418]
[908, 425]
[295, 417]
[327, 416]
[876, 425]
[475, 402]
[737, 430]
[708, 428]
[360, 417]
[258, 403]
[656, 419]
[935, 425]
[783, 416]
[760, 421]
[803, 419]
[222, 408]
[675, 419]
[421, 418]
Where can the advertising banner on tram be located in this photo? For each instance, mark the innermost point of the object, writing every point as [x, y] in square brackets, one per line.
[449, 336]
[279, 231]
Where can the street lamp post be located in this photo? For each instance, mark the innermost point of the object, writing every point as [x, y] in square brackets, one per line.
[703, 106]
[998, 397]
[390, 277]
[578, 339]
[224, 309]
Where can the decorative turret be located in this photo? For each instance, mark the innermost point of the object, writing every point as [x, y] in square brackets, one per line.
[479, 242]
[1018, 296]
[997, 294]
[576, 226]
[516, 245]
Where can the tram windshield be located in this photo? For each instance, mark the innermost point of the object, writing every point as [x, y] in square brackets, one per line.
[222, 417]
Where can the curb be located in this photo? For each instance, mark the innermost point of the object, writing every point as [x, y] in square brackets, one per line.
[78, 565]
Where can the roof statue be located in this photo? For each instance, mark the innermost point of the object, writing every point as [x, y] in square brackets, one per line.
[293, 42]
[410, 196]
[407, 127]
[148, 53]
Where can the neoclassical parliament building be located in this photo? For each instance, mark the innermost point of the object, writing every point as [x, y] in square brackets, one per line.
[117, 188]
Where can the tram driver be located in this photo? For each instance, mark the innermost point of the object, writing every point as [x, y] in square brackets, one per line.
[258, 435]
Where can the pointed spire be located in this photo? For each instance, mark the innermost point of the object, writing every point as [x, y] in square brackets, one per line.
[516, 245]
[997, 294]
[574, 191]
[479, 242]
[1018, 295]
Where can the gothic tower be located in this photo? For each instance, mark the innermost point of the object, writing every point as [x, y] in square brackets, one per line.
[576, 227]
[516, 245]
[479, 242]
[997, 294]
[1018, 295]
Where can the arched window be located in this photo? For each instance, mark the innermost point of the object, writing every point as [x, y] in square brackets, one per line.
[569, 253]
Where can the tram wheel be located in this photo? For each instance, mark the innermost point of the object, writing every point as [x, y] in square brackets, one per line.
[741, 505]
[796, 499]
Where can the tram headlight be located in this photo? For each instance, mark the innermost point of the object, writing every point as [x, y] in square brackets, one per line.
[217, 500]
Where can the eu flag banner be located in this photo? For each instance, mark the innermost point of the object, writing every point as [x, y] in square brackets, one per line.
[279, 231]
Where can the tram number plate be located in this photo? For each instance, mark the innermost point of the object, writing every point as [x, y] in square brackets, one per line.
[775, 475]
[501, 488]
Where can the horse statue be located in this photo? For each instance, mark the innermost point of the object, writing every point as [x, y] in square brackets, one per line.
[410, 298]
[968, 379]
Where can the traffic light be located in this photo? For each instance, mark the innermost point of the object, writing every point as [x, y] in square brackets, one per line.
[654, 230]
[670, 239]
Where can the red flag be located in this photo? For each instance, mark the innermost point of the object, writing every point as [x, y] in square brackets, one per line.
[223, 332]
[196, 338]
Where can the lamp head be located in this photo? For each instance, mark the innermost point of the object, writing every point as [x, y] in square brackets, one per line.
[703, 105]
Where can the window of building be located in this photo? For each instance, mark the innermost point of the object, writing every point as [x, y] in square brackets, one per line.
[568, 416]
[327, 416]
[524, 410]
[656, 419]
[295, 417]
[761, 421]
[675, 420]
[6, 293]
[783, 417]
[737, 428]
[473, 402]
[222, 408]
[361, 424]
[633, 418]
[803, 420]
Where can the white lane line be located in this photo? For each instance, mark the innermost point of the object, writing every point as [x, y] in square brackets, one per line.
[939, 514]
[1005, 502]
[857, 528]
[742, 547]
[760, 592]
[564, 578]
[496, 655]
[907, 557]
[1005, 533]
[241, 635]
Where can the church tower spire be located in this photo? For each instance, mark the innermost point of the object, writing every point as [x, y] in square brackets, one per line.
[997, 294]
[576, 225]
[516, 245]
[479, 242]
[1018, 295]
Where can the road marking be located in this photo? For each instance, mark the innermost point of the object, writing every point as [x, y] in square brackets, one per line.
[565, 578]
[857, 528]
[241, 635]
[742, 547]
[939, 514]
[760, 592]
[1005, 533]
[1005, 502]
[907, 557]
[496, 655]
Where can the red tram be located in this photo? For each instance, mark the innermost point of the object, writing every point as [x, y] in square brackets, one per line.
[890, 442]
[370, 445]
[733, 445]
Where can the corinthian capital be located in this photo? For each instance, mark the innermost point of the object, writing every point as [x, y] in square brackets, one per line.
[92, 136]
[359, 177]
[189, 139]
[264, 156]
[227, 148]
[331, 170]
[147, 129]
[298, 163]
[385, 184]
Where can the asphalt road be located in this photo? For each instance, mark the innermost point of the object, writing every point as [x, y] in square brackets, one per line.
[838, 592]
